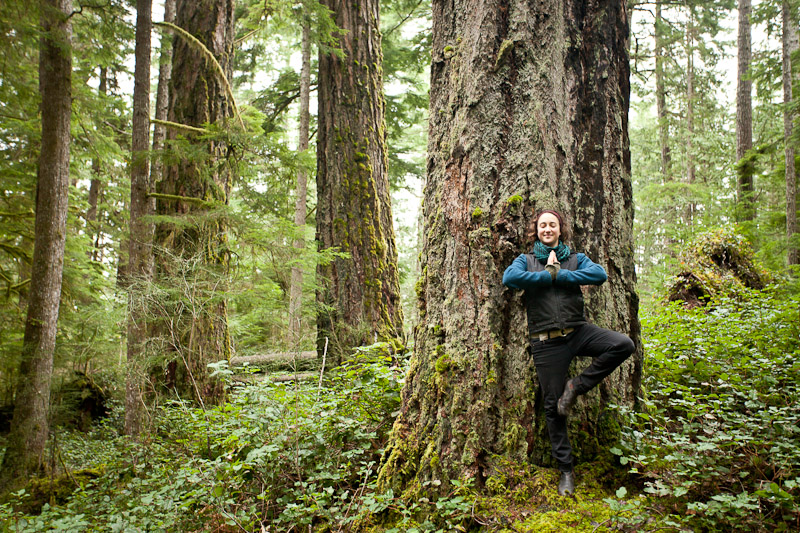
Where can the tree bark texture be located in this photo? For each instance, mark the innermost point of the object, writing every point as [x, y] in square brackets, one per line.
[354, 214]
[296, 288]
[141, 228]
[529, 111]
[661, 96]
[194, 249]
[162, 94]
[30, 425]
[790, 46]
[691, 168]
[744, 114]
[92, 226]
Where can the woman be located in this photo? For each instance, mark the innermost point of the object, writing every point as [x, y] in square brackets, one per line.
[551, 277]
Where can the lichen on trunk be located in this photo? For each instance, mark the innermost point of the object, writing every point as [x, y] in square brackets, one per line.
[529, 110]
[192, 256]
[360, 294]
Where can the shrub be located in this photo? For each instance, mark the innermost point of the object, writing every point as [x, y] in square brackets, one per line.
[716, 442]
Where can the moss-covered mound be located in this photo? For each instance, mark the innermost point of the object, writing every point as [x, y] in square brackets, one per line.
[717, 262]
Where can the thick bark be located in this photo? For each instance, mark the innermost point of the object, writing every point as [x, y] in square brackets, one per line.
[194, 250]
[141, 229]
[296, 290]
[790, 46]
[30, 425]
[661, 96]
[354, 211]
[529, 110]
[744, 115]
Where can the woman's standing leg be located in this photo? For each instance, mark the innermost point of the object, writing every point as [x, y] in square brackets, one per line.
[552, 359]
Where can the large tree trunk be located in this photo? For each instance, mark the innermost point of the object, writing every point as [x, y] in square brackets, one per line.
[661, 96]
[193, 253]
[354, 211]
[30, 425]
[790, 46]
[141, 228]
[296, 290]
[529, 110]
[744, 115]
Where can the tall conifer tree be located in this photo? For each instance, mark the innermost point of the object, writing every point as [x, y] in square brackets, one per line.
[529, 110]
[30, 424]
[744, 114]
[360, 297]
[140, 255]
[790, 47]
[195, 190]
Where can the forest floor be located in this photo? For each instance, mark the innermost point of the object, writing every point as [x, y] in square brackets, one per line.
[714, 447]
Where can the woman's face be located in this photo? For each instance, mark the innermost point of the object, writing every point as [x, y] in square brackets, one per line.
[548, 230]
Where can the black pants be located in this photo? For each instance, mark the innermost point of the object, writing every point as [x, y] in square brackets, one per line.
[552, 357]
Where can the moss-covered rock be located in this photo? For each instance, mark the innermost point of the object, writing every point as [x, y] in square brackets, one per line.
[717, 262]
[54, 490]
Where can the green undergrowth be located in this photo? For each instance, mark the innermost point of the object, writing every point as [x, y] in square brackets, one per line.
[716, 445]
[713, 447]
[287, 455]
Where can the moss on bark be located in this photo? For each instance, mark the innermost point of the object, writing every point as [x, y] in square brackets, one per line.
[528, 111]
[360, 294]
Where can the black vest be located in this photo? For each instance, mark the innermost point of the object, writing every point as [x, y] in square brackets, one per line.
[553, 306]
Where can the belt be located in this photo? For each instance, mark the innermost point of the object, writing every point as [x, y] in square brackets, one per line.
[553, 333]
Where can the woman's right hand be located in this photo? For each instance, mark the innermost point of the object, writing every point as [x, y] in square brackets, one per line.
[552, 260]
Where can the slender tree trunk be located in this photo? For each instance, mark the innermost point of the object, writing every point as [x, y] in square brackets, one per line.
[296, 290]
[790, 46]
[122, 256]
[690, 164]
[529, 110]
[30, 425]
[141, 229]
[162, 94]
[194, 250]
[661, 96]
[93, 227]
[744, 115]
[354, 211]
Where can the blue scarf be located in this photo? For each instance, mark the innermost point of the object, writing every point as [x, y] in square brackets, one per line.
[542, 252]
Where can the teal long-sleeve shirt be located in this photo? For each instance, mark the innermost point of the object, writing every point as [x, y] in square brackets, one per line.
[588, 272]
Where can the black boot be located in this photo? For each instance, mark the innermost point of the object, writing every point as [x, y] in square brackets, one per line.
[568, 398]
[566, 484]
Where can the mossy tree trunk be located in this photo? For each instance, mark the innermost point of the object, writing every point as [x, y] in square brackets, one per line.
[361, 293]
[141, 226]
[30, 424]
[744, 114]
[790, 46]
[529, 110]
[192, 257]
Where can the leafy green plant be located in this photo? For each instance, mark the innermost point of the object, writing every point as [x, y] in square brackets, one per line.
[715, 443]
[289, 455]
